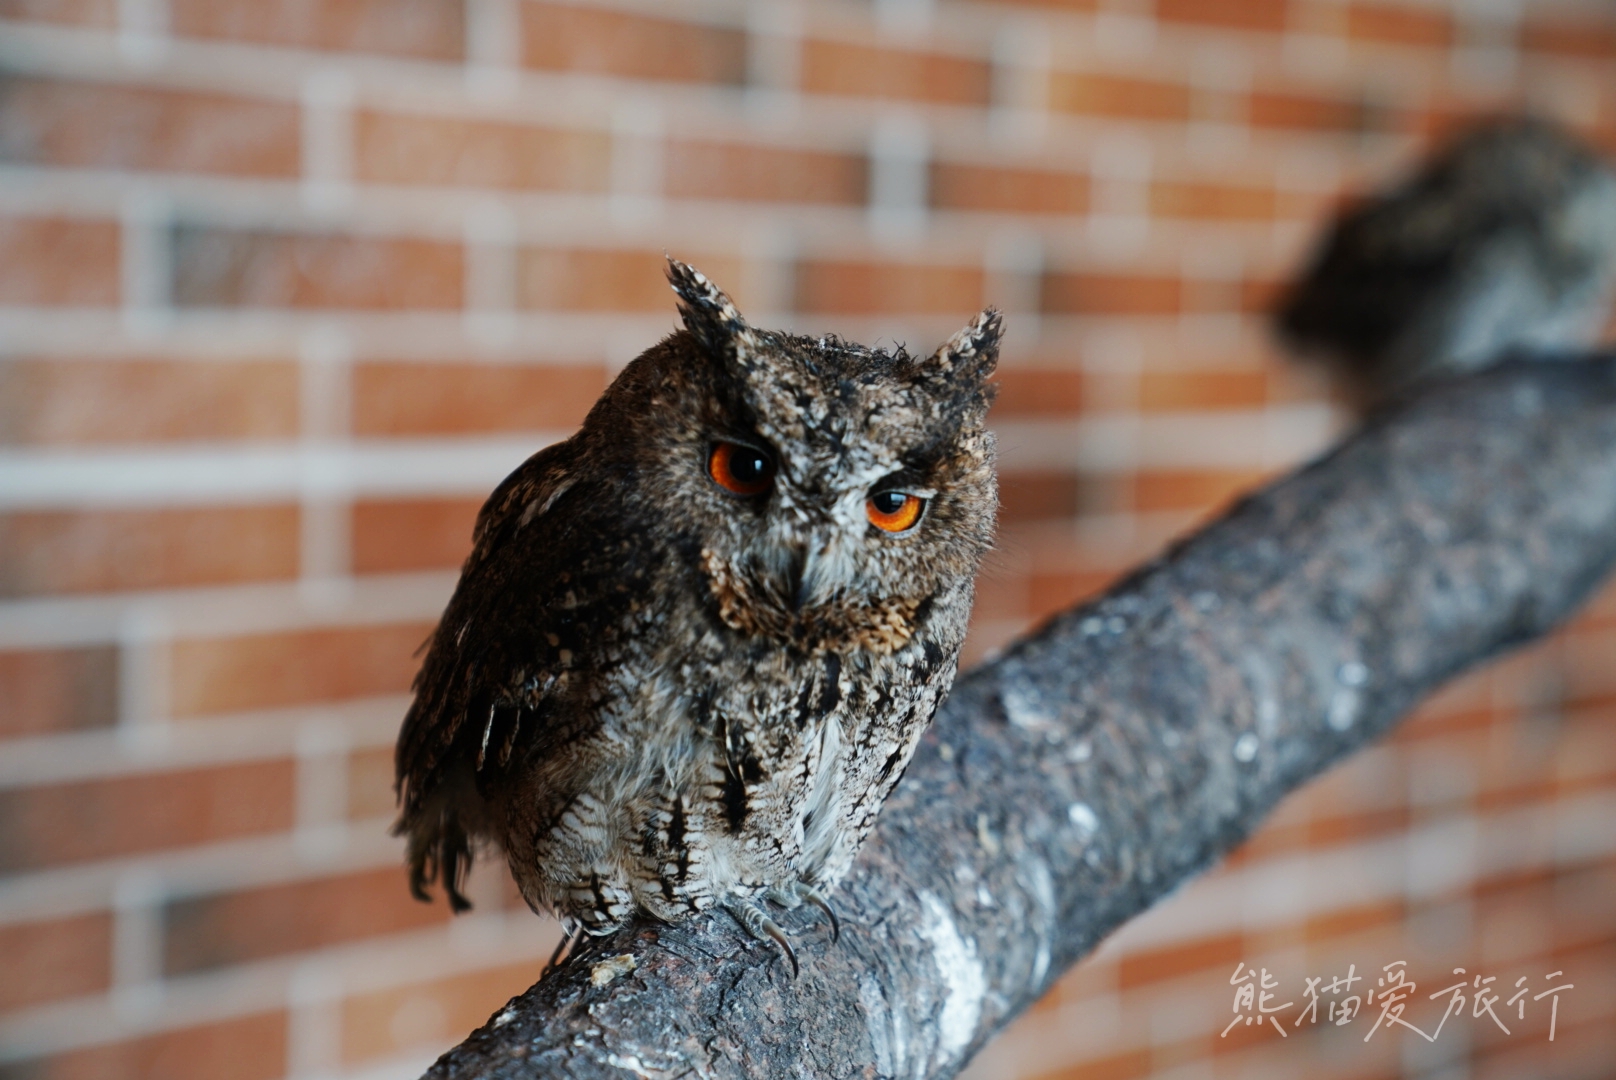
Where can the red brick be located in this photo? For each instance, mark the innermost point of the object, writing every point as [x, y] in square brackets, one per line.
[1057, 592]
[1531, 885]
[78, 402]
[57, 261]
[605, 280]
[211, 932]
[1029, 191]
[1191, 489]
[713, 170]
[1170, 962]
[1111, 294]
[370, 783]
[1094, 977]
[104, 126]
[127, 815]
[460, 399]
[836, 67]
[1033, 496]
[1342, 828]
[1169, 391]
[1220, 202]
[1599, 613]
[1232, 14]
[1260, 295]
[56, 958]
[1038, 393]
[561, 37]
[250, 1048]
[398, 149]
[1273, 838]
[1428, 28]
[1064, 5]
[100, 13]
[1587, 40]
[1001, 593]
[390, 1022]
[850, 288]
[230, 268]
[1350, 922]
[1118, 96]
[262, 671]
[75, 551]
[1128, 1065]
[1427, 724]
[397, 536]
[54, 691]
[432, 29]
[1510, 791]
[1280, 109]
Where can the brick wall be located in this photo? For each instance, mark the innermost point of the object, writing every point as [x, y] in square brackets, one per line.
[286, 286]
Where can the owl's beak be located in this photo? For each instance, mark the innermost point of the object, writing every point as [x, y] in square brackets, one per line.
[797, 587]
[816, 573]
[801, 584]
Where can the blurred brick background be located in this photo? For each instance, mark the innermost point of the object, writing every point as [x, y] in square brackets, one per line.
[287, 285]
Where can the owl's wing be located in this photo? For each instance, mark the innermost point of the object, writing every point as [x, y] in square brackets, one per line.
[492, 662]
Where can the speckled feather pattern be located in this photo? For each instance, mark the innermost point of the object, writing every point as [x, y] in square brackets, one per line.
[654, 696]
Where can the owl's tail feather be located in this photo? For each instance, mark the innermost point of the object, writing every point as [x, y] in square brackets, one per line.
[440, 849]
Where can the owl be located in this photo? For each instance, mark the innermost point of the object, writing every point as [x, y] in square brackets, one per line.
[696, 644]
[1507, 237]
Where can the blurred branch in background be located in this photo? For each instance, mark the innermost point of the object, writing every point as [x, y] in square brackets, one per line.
[1126, 745]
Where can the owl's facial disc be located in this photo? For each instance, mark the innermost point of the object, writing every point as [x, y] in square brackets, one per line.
[829, 490]
[833, 535]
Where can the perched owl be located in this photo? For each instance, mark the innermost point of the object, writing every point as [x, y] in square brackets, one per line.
[696, 644]
[1506, 237]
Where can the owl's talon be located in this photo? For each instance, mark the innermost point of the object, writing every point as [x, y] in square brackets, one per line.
[817, 899]
[759, 925]
[569, 936]
[801, 891]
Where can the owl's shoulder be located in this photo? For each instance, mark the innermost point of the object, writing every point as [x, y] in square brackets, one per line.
[540, 602]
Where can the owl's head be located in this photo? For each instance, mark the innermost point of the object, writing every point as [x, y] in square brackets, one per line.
[825, 493]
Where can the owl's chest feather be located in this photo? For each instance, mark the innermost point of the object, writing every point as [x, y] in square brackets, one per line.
[725, 769]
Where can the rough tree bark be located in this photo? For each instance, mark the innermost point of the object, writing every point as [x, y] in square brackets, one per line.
[1123, 747]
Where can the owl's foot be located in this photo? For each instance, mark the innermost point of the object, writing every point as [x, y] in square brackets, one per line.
[571, 934]
[800, 893]
[757, 923]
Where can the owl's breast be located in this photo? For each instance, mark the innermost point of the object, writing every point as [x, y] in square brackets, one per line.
[724, 765]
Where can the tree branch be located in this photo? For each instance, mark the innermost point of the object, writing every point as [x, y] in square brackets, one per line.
[1124, 746]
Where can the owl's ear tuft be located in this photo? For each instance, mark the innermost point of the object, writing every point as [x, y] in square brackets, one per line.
[967, 358]
[708, 313]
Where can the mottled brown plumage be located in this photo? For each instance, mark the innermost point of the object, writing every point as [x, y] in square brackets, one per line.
[654, 694]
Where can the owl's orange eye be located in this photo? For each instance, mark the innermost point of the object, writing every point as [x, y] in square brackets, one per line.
[894, 511]
[741, 469]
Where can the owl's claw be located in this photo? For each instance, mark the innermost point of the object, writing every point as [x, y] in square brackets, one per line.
[759, 925]
[817, 898]
[569, 937]
[801, 892]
